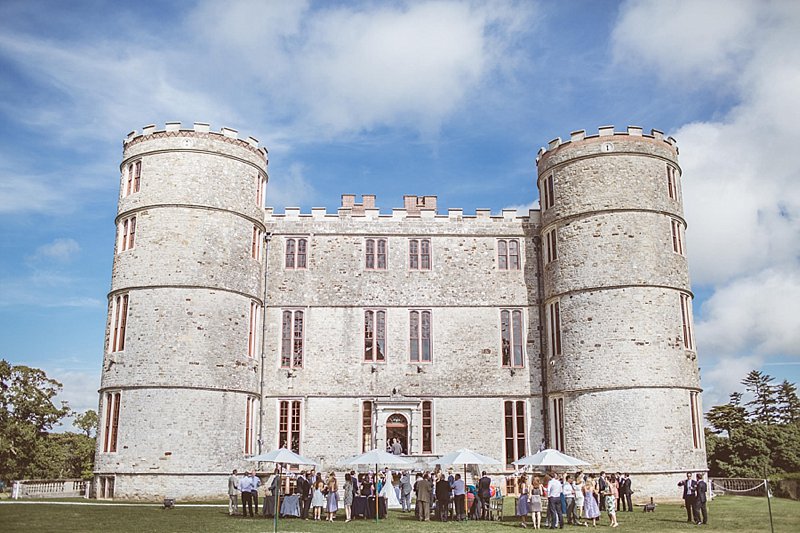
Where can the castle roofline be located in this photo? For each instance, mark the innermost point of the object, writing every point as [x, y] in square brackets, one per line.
[199, 129]
[399, 214]
[605, 131]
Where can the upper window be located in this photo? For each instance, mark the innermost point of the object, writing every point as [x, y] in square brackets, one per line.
[253, 335]
[251, 408]
[419, 254]
[550, 247]
[374, 335]
[375, 254]
[515, 430]
[119, 319]
[366, 426]
[292, 339]
[672, 182]
[697, 428]
[126, 234]
[554, 329]
[557, 422]
[427, 426]
[508, 254]
[289, 425]
[257, 244]
[677, 237]
[296, 253]
[133, 175]
[686, 319]
[111, 421]
[420, 336]
[511, 334]
[547, 193]
[261, 186]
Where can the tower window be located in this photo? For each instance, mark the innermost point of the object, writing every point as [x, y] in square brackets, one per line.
[508, 254]
[250, 425]
[550, 247]
[375, 254]
[366, 426]
[515, 430]
[253, 334]
[111, 421]
[554, 329]
[420, 336]
[257, 244]
[292, 339]
[672, 182]
[427, 426]
[289, 425]
[374, 336]
[133, 175]
[677, 237]
[511, 338]
[557, 423]
[697, 428]
[547, 194]
[296, 253]
[261, 185]
[686, 319]
[419, 254]
[119, 317]
[126, 234]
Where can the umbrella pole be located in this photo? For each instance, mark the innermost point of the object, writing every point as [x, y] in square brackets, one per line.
[465, 492]
[377, 495]
[276, 496]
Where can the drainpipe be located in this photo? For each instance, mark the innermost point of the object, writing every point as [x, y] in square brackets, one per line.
[267, 239]
[537, 241]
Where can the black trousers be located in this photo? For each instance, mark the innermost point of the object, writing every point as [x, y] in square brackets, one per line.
[247, 503]
[441, 509]
[689, 502]
[254, 497]
[461, 506]
[700, 508]
[305, 505]
[628, 501]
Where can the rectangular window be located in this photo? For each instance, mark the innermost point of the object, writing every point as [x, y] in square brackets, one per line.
[292, 339]
[374, 335]
[686, 319]
[419, 254]
[672, 182]
[126, 234]
[557, 423]
[697, 428]
[512, 338]
[366, 426]
[289, 425]
[554, 329]
[375, 254]
[111, 421]
[550, 248]
[548, 193]
[254, 330]
[119, 314]
[420, 336]
[296, 253]
[133, 174]
[677, 237]
[251, 408]
[257, 244]
[515, 431]
[261, 184]
[427, 426]
[508, 254]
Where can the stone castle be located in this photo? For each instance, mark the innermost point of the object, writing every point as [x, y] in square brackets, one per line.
[233, 330]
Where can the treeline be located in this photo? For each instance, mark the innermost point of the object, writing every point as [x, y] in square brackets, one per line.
[757, 438]
[28, 447]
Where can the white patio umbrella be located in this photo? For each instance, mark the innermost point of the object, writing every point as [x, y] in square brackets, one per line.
[376, 457]
[281, 456]
[464, 457]
[550, 457]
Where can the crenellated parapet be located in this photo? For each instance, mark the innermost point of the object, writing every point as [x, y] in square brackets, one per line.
[454, 215]
[199, 130]
[607, 133]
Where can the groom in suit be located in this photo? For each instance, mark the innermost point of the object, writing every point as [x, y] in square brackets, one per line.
[700, 498]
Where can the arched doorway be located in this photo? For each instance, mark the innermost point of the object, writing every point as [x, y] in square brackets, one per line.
[397, 428]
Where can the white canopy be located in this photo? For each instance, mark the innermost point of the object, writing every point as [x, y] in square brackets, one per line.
[464, 457]
[550, 457]
[282, 456]
[377, 457]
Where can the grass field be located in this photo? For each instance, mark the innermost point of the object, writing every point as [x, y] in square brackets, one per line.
[739, 514]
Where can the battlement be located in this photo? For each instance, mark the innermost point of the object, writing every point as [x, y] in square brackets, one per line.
[199, 129]
[321, 214]
[606, 131]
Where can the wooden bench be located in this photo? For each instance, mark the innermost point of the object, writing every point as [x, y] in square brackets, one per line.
[496, 509]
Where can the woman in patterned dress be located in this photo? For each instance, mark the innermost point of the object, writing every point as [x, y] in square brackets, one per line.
[522, 503]
[333, 496]
[591, 511]
[611, 500]
[535, 502]
[348, 497]
[318, 499]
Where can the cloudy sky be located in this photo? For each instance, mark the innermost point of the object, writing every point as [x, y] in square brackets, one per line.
[393, 98]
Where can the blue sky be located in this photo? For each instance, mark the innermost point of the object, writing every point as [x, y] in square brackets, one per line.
[393, 98]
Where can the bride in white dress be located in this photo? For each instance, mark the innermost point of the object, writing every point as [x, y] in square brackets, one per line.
[388, 492]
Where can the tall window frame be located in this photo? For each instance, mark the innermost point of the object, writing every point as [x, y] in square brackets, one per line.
[677, 236]
[111, 407]
[554, 329]
[119, 323]
[126, 234]
[557, 422]
[512, 338]
[250, 420]
[366, 426]
[548, 192]
[261, 186]
[420, 336]
[686, 322]
[133, 177]
[672, 182]
[550, 246]
[374, 335]
[697, 425]
[508, 254]
[419, 254]
[292, 338]
[290, 426]
[296, 253]
[257, 245]
[254, 329]
[515, 424]
[427, 427]
[376, 250]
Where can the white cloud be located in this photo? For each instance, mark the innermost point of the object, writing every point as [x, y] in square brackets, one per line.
[291, 189]
[741, 170]
[524, 209]
[60, 250]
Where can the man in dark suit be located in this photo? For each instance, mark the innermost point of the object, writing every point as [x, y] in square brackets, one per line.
[700, 499]
[424, 497]
[484, 494]
[302, 488]
[688, 485]
[442, 497]
[625, 494]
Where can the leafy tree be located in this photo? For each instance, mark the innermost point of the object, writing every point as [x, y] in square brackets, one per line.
[727, 417]
[87, 422]
[764, 405]
[27, 412]
[788, 403]
[63, 455]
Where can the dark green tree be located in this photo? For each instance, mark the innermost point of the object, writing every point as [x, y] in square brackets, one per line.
[727, 417]
[87, 422]
[763, 408]
[788, 403]
[27, 413]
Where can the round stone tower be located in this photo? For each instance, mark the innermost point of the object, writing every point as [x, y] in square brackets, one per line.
[181, 374]
[622, 382]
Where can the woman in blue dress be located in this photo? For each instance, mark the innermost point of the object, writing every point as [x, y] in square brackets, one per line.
[522, 503]
[333, 496]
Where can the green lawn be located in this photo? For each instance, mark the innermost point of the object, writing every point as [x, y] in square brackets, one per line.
[739, 514]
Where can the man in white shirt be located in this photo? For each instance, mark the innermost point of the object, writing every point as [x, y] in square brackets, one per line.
[554, 489]
[569, 499]
[233, 493]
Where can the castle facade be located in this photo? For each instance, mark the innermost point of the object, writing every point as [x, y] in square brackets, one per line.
[233, 330]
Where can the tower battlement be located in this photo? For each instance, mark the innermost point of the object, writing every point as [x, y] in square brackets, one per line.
[632, 132]
[199, 129]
